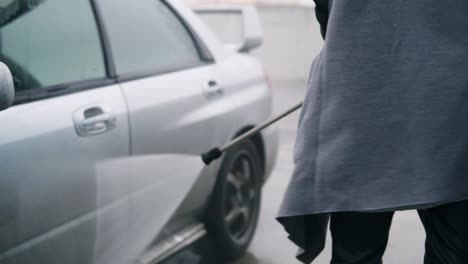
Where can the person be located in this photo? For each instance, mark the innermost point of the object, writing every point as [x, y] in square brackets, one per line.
[384, 128]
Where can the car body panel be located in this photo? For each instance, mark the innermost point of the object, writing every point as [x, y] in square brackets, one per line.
[54, 182]
[245, 103]
[171, 124]
[194, 122]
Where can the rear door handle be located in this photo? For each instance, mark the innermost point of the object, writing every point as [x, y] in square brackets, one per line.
[93, 120]
[212, 89]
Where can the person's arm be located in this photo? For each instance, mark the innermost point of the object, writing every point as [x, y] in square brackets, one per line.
[321, 12]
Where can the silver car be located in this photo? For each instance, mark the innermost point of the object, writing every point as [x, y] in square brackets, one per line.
[114, 102]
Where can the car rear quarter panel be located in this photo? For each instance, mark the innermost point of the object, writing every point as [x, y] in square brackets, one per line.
[250, 98]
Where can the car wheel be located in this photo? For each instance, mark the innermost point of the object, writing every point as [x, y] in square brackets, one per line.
[235, 204]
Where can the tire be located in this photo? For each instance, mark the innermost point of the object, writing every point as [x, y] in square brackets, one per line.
[232, 214]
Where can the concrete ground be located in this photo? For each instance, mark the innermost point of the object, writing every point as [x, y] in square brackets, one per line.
[270, 245]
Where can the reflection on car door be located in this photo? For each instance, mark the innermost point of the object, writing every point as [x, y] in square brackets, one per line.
[173, 101]
[64, 153]
[53, 181]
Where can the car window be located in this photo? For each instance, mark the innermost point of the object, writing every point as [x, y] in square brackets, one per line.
[146, 35]
[50, 42]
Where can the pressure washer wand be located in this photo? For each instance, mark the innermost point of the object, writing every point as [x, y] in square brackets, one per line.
[216, 153]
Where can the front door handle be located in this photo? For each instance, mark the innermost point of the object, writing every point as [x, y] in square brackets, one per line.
[93, 120]
[212, 89]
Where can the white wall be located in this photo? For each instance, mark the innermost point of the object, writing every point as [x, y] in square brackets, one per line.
[292, 40]
[291, 36]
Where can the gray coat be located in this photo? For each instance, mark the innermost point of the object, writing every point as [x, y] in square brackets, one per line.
[385, 120]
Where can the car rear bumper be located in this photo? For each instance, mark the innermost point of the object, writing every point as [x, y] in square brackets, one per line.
[271, 143]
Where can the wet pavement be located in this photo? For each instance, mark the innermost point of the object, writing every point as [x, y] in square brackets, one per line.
[270, 245]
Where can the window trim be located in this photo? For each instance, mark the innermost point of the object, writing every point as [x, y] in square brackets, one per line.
[105, 42]
[36, 94]
[203, 51]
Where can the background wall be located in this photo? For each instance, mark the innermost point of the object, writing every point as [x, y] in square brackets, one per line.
[291, 35]
[292, 40]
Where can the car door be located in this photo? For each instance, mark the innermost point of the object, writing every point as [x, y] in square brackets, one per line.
[174, 102]
[64, 146]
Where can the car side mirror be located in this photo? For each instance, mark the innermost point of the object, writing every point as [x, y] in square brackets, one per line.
[238, 26]
[7, 89]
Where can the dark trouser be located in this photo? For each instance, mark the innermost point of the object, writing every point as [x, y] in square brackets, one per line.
[361, 238]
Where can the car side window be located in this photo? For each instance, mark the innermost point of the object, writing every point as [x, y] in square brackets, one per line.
[147, 36]
[50, 42]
